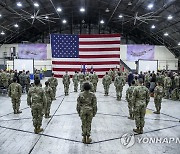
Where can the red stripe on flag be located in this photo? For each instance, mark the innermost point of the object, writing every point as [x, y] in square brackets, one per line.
[99, 49]
[99, 42]
[99, 56]
[99, 35]
[60, 76]
[86, 63]
[78, 69]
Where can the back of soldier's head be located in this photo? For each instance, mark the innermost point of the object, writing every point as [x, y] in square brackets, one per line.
[140, 81]
[14, 79]
[47, 83]
[86, 86]
[87, 78]
[36, 81]
[106, 73]
[133, 82]
[119, 73]
[52, 74]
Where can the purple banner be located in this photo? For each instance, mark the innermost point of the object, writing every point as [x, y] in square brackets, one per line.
[32, 51]
[136, 52]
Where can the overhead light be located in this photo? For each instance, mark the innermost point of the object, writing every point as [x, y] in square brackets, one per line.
[107, 10]
[179, 43]
[130, 3]
[153, 26]
[32, 17]
[102, 21]
[166, 34]
[169, 17]
[19, 4]
[82, 9]
[0, 15]
[64, 21]
[59, 9]
[46, 17]
[36, 4]
[16, 25]
[120, 16]
[150, 6]
[2, 33]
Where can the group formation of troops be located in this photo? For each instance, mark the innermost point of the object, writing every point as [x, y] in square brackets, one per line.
[137, 96]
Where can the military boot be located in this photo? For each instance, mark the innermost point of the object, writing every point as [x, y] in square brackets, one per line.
[39, 129]
[18, 112]
[88, 139]
[15, 111]
[137, 130]
[36, 130]
[131, 117]
[155, 112]
[47, 116]
[84, 139]
[141, 130]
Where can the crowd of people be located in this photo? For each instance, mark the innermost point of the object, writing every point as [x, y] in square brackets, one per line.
[141, 87]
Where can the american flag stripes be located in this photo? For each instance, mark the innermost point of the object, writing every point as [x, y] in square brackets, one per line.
[70, 52]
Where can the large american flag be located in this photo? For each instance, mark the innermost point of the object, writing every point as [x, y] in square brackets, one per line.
[70, 52]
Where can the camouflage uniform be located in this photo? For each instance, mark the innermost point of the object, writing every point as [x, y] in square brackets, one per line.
[110, 73]
[75, 80]
[158, 95]
[49, 97]
[167, 86]
[106, 81]
[15, 91]
[37, 75]
[86, 108]
[129, 98]
[53, 82]
[147, 80]
[4, 79]
[175, 92]
[81, 80]
[87, 79]
[140, 101]
[95, 81]
[66, 82]
[36, 99]
[22, 80]
[119, 83]
[27, 82]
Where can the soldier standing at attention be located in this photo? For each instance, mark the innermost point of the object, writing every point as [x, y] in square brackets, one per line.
[167, 86]
[94, 81]
[27, 81]
[140, 101]
[66, 82]
[15, 91]
[81, 80]
[36, 99]
[158, 95]
[87, 80]
[86, 108]
[49, 96]
[119, 83]
[75, 80]
[129, 96]
[53, 83]
[106, 81]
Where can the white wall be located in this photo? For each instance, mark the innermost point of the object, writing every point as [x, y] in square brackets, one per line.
[165, 58]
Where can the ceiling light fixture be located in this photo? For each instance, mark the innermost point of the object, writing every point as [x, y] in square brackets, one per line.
[59, 9]
[0, 15]
[169, 17]
[179, 44]
[130, 3]
[36, 4]
[153, 26]
[166, 34]
[2, 33]
[102, 21]
[16, 25]
[19, 4]
[120, 16]
[82, 9]
[64, 21]
[107, 10]
[32, 17]
[150, 6]
[46, 17]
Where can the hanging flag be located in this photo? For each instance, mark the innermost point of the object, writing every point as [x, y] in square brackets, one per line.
[69, 52]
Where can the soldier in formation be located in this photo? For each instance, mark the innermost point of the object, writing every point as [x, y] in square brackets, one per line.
[167, 86]
[75, 80]
[129, 98]
[81, 80]
[119, 83]
[86, 108]
[36, 99]
[106, 81]
[53, 83]
[15, 91]
[94, 81]
[66, 82]
[49, 97]
[140, 101]
[158, 95]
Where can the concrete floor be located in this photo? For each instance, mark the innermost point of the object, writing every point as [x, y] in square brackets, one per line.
[62, 132]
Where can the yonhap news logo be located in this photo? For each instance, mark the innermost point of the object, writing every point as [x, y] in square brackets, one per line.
[128, 140]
